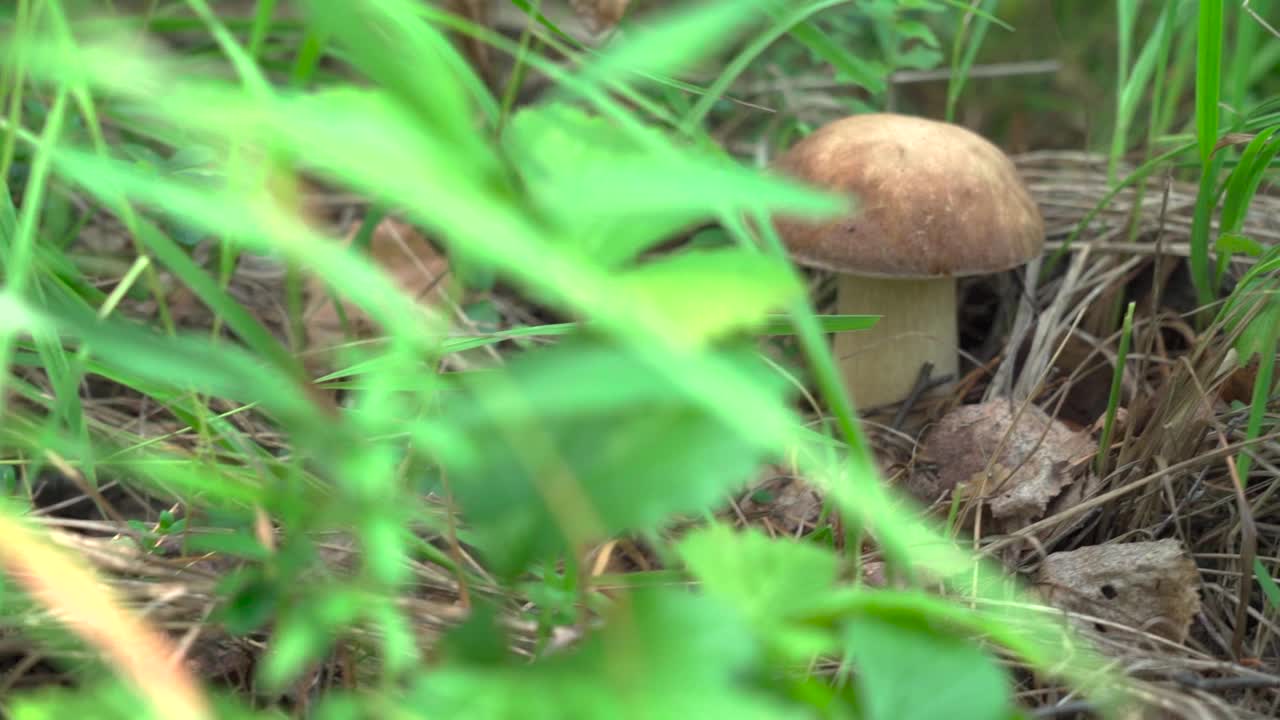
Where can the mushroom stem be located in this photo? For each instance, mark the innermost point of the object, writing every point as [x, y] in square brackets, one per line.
[917, 325]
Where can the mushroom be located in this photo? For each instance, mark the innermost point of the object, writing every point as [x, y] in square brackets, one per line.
[935, 202]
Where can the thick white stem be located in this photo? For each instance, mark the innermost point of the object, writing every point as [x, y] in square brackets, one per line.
[881, 365]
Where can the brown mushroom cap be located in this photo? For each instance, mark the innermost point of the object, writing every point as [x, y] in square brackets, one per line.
[934, 200]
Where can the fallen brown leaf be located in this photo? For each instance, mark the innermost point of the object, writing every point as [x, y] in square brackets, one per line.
[600, 15]
[1151, 586]
[413, 263]
[1015, 469]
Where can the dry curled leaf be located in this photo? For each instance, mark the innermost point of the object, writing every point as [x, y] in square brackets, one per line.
[600, 15]
[415, 265]
[1015, 469]
[1149, 586]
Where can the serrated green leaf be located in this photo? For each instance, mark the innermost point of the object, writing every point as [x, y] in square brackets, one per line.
[868, 74]
[706, 294]
[661, 654]
[892, 657]
[768, 580]
[583, 440]
[772, 584]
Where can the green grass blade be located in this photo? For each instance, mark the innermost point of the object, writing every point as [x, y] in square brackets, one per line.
[965, 51]
[782, 24]
[860, 72]
[1201, 228]
[262, 17]
[1117, 384]
[20, 248]
[1208, 76]
[1265, 379]
[1270, 590]
[1133, 83]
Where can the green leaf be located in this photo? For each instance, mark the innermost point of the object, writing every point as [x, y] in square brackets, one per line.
[766, 579]
[1232, 243]
[551, 144]
[307, 631]
[772, 584]
[425, 73]
[580, 441]
[867, 74]
[706, 294]
[893, 656]
[1243, 182]
[662, 654]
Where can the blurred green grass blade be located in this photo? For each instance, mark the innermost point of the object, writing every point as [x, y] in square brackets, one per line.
[770, 325]
[188, 362]
[1262, 64]
[565, 79]
[263, 13]
[177, 401]
[170, 254]
[546, 22]
[1208, 76]
[242, 322]
[22, 233]
[783, 22]
[423, 73]
[241, 60]
[251, 222]
[978, 11]
[655, 192]
[1182, 64]
[862, 73]
[1137, 80]
[20, 247]
[979, 16]
[306, 61]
